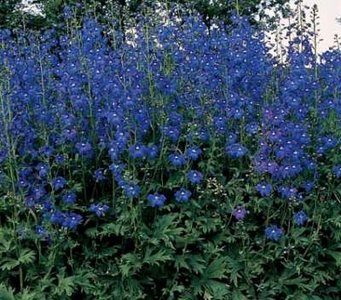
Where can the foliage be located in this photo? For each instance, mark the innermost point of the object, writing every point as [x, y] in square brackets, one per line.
[179, 162]
[53, 10]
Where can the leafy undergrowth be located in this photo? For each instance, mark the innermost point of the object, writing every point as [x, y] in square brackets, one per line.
[176, 163]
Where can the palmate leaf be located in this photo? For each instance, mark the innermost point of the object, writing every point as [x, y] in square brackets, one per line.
[156, 258]
[8, 264]
[237, 295]
[216, 269]
[336, 255]
[6, 293]
[26, 256]
[66, 285]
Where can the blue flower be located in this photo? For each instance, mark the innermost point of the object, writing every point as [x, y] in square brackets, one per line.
[264, 189]
[71, 220]
[177, 160]
[41, 231]
[193, 153]
[152, 152]
[69, 198]
[57, 217]
[43, 170]
[273, 232]
[194, 176]
[288, 192]
[300, 217]
[236, 150]
[138, 151]
[182, 195]
[99, 209]
[156, 200]
[99, 175]
[59, 159]
[337, 171]
[58, 183]
[84, 149]
[132, 191]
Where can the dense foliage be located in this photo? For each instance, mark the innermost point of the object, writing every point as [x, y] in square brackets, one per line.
[177, 163]
[52, 10]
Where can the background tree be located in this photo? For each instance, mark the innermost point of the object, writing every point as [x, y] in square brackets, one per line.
[12, 17]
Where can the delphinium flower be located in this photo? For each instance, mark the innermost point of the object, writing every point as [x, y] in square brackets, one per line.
[172, 132]
[41, 232]
[194, 176]
[236, 150]
[182, 195]
[337, 171]
[156, 200]
[300, 217]
[71, 220]
[193, 153]
[58, 183]
[132, 190]
[177, 160]
[69, 198]
[239, 213]
[56, 217]
[152, 152]
[264, 189]
[99, 175]
[99, 209]
[59, 159]
[273, 232]
[84, 149]
[308, 186]
[288, 192]
[43, 170]
[138, 151]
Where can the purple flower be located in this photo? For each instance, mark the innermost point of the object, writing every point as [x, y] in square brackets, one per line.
[182, 195]
[156, 200]
[273, 233]
[194, 176]
[99, 209]
[239, 213]
[264, 189]
[300, 217]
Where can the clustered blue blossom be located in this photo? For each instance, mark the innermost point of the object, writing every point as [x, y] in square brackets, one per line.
[273, 232]
[87, 118]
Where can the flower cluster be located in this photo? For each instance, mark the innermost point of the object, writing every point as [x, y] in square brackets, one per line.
[83, 119]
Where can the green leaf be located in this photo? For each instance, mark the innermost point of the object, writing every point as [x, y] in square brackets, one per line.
[237, 295]
[9, 264]
[216, 269]
[6, 293]
[66, 285]
[26, 256]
